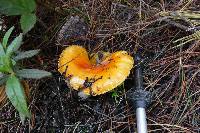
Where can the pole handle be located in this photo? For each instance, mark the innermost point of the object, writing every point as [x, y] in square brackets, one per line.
[141, 120]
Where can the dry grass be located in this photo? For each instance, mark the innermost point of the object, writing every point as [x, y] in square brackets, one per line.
[171, 73]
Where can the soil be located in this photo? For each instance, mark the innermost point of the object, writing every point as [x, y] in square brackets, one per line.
[171, 74]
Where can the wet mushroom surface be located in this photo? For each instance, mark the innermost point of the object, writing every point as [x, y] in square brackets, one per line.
[94, 77]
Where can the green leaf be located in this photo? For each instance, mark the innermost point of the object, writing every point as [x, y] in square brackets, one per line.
[27, 22]
[17, 7]
[33, 73]
[3, 78]
[6, 37]
[14, 46]
[2, 52]
[22, 117]
[13, 62]
[2, 64]
[26, 54]
[5, 64]
[16, 95]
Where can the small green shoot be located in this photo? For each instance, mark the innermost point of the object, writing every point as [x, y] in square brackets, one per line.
[116, 93]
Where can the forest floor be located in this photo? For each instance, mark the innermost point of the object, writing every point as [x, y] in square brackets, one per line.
[171, 72]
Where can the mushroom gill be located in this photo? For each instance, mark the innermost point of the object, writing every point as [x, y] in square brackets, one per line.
[91, 76]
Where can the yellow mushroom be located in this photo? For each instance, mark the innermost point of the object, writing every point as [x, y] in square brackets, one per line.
[91, 76]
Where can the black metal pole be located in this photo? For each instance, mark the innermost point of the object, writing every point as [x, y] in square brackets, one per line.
[140, 98]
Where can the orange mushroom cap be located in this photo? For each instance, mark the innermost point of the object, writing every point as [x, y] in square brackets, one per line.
[91, 77]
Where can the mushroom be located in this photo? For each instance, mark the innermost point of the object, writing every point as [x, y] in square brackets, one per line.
[92, 76]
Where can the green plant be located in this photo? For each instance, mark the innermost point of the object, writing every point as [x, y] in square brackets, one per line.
[11, 72]
[117, 92]
[25, 8]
